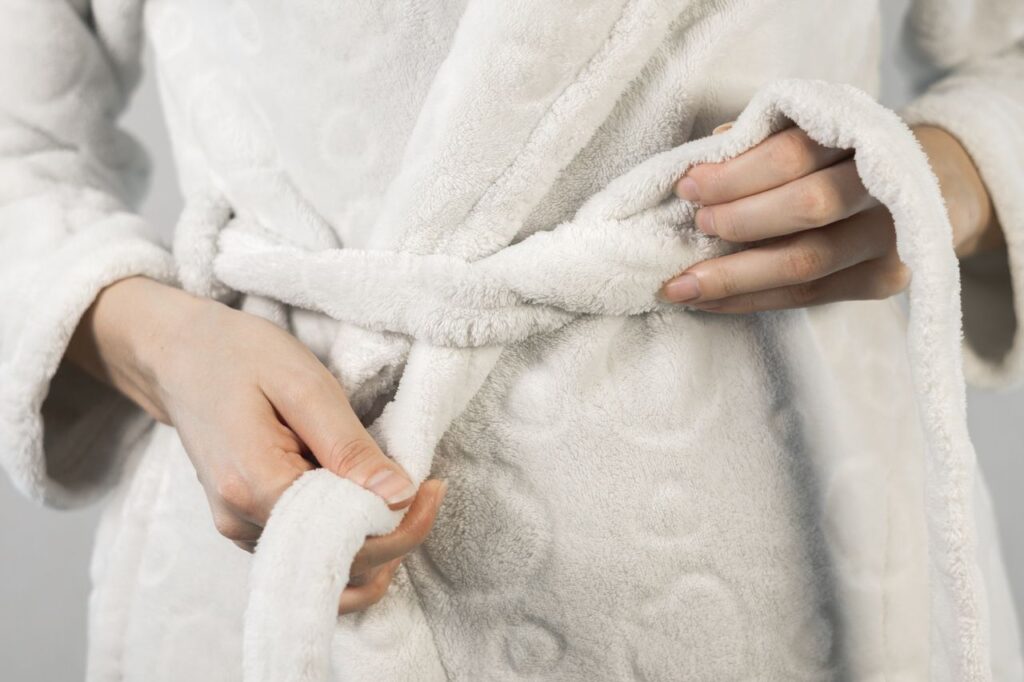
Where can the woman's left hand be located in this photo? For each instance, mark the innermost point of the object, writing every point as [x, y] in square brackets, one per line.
[816, 235]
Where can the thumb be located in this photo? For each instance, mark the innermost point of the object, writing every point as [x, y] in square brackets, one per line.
[321, 416]
[357, 457]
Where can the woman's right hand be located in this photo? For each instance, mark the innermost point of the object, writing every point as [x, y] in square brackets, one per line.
[252, 406]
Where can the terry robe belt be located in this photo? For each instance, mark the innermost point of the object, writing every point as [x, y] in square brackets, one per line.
[440, 322]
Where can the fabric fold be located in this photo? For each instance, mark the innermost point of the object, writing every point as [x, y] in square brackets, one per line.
[305, 553]
[603, 262]
[70, 178]
[986, 120]
[49, 436]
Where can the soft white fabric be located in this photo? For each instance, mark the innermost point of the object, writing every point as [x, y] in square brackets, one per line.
[636, 490]
[317, 527]
[67, 181]
[609, 260]
[985, 114]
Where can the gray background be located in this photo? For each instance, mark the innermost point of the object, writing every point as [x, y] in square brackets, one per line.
[44, 554]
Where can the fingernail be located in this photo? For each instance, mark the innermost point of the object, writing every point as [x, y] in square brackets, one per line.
[722, 128]
[390, 485]
[709, 306]
[682, 289]
[687, 189]
[705, 220]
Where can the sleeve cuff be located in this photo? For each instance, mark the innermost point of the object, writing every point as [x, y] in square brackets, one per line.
[988, 123]
[62, 434]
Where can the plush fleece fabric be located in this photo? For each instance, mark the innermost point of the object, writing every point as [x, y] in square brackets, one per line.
[464, 209]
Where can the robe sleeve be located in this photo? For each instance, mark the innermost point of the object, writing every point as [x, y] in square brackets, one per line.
[68, 177]
[980, 100]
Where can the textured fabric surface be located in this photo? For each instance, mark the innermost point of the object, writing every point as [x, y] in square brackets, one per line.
[465, 204]
[658, 240]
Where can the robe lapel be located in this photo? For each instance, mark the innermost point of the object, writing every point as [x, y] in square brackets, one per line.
[525, 86]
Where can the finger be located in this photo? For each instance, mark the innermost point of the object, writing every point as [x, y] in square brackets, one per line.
[411, 532]
[780, 159]
[249, 547]
[722, 128]
[362, 597]
[813, 201]
[875, 279]
[313, 404]
[272, 464]
[235, 528]
[367, 576]
[802, 257]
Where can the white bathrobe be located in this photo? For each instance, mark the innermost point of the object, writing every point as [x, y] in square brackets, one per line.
[462, 207]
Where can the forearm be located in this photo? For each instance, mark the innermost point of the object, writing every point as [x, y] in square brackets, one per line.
[975, 224]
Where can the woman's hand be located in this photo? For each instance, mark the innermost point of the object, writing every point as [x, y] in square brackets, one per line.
[816, 235]
[253, 407]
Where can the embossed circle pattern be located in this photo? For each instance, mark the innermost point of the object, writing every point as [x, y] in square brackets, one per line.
[667, 510]
[345, 143]
[229, 125]
[533, 646]
[679, 380]
[245, 25]
[713, 648]
[534, 400]
[492, 532]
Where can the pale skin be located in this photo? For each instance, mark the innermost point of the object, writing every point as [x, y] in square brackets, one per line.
[815, 234]
[255, 408]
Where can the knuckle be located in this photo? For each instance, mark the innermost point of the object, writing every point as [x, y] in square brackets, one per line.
[892, 281]
[805, 293]
[305, 387]
[744, 304]
[228, 526]
[407, 535]
[728, 227]
[357, 578]
[804, 263]
[360, 564]
[246, 545]
[234, 493]
[377, 589]
[790, 153]
[724, 283]
[381, 586]
[900, 278]
[297, 393]
[813, 202]
[416, 534]
[878, 291]
[346, 455]
[709, 179]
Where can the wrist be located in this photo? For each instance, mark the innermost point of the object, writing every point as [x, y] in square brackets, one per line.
[971, 214]
[128, 334]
